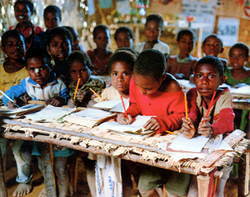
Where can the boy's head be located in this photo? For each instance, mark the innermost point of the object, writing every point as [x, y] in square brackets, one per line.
[208, 75]
[149, 70]
[13, 44]
[59, 43]
[212, 45]
[79, 67]
[185, 39]
[101, 36]
[37, 65]
[52, 16]
[153, 27]
[120, 67]
[23, 10]
[124, 37]
[238, 55]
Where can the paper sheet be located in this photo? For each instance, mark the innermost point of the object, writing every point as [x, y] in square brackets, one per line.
[87, 117]
[112, 105]
[138, 124]
[30, 108]
[49, 114]
[181, 143]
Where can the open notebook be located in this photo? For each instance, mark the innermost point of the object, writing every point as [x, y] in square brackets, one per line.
[112, 105]
[50, 114]
[26, 109]
[136, 127]
[89, 117]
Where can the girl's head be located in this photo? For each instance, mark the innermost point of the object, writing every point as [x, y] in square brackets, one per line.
[124, 37]
[52, 16]
[238, 55]
[153, 27]
[37, 65]
[13, 44]
[208, 75]
[79, 67]
[75, 38]
[185, 39]
[59, 43]
[23, 10]
[120, 68]
[212, 45]
[149, 71]
[101, 36]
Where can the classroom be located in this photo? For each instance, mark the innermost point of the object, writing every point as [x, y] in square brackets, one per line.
[125, 98]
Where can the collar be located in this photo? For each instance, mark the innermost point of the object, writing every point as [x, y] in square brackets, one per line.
[184, 60]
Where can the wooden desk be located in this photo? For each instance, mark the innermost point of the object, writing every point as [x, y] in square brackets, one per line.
[141, 150]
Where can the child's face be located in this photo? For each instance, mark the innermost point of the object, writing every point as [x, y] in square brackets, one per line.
[186, 44]
[212, 47]
[152, 31]
[78, 70]
[124, 40]
[102, 39]
[38, 72]
[14, 48]
[207, 79]
[120, 76]
[22, 12]
[237, 58]
[147, 84]
[51, 20]
[59, 48]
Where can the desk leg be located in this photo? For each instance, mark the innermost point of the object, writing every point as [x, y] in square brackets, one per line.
[203, 185]
[3, 192]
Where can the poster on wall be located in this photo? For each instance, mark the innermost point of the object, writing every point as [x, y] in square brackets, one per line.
[228, 29]
[203, 13]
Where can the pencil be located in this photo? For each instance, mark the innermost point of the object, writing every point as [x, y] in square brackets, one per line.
[211, 103]
[170, 132]
[186, 105]
[95, 93]
[76, 89]
[123, 105]
[11, 100]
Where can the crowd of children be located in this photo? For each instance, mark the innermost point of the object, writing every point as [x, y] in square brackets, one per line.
[51, 66]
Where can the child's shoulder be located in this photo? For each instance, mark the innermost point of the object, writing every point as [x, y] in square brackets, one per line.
[170, 84]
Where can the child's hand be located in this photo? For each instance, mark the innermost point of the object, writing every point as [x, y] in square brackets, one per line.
[152, 124]
[80, 96]
[205, 128]
[188, 128]
[11, 105]
[124, 119]
[56, 101]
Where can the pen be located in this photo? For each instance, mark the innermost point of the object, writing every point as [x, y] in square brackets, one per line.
[95, 93]
[123, 106]
[11, 100]
[171, 132]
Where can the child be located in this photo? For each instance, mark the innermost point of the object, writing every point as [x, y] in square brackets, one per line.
[182, 65]
[124, 37]
[23, 11]
[43, 85]
[238, 73]
[52, 17]
[153, 93]
[153, 28]
[238, 58]
[59, 46]
[79, 69]
[75, 39]
[206, 121]
[213, 46]
[13, 69]
[100, 55]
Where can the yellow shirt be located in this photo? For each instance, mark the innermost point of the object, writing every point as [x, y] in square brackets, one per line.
[10, 79]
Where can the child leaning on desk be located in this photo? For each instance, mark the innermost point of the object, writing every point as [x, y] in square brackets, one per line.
[210, 107]
[43, 85]
[153, 92]
[238, 74]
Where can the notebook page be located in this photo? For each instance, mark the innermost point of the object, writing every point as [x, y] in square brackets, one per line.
[181, 143]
